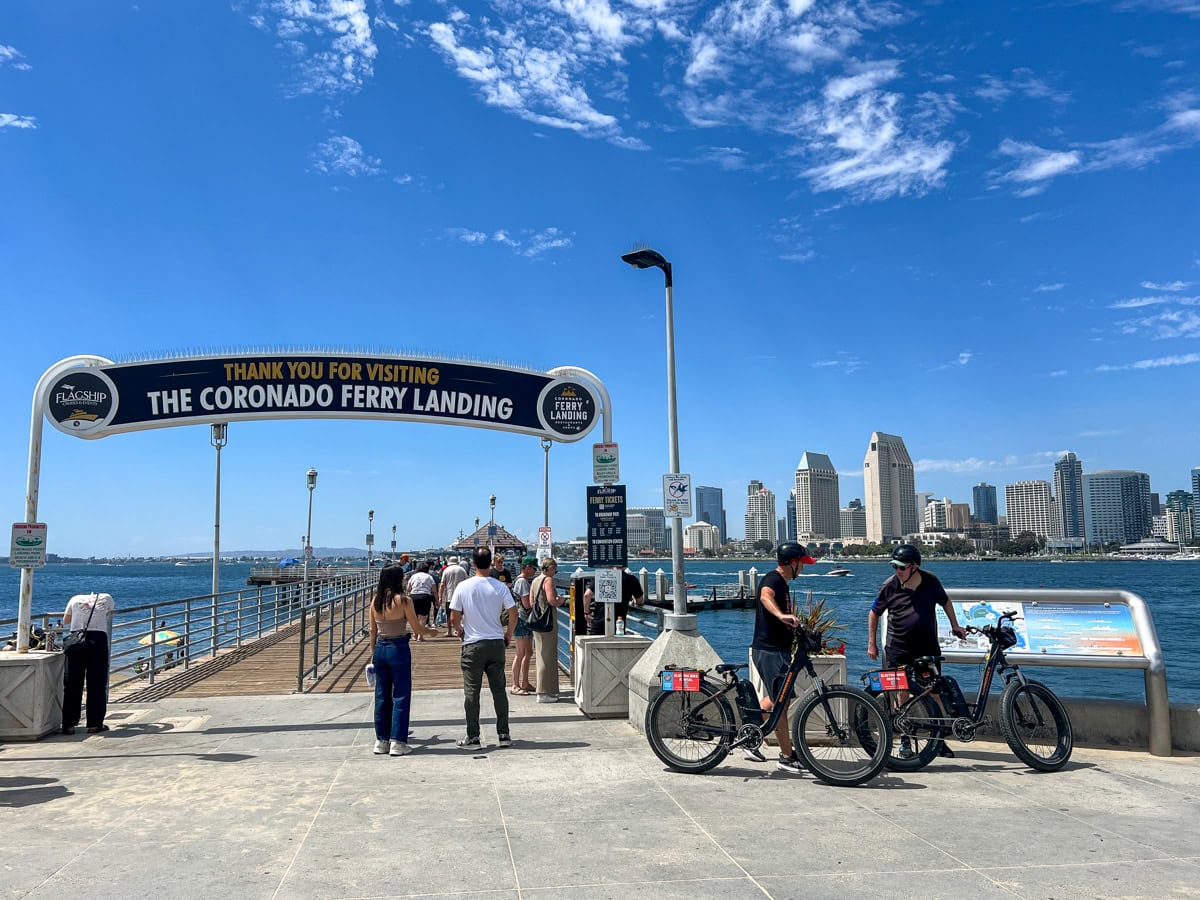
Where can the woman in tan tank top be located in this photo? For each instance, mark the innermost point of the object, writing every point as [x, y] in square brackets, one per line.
[392, 615]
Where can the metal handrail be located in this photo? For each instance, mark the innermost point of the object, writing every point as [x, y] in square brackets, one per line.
[336, 614]
[205, 625]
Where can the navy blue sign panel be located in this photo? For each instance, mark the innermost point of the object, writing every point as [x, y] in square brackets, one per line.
[95, 401]
[606, 536]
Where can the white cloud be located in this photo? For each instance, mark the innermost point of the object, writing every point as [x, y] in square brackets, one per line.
[1058, 373]
[1057, 286]
[344, 155]
[1169, 286]
[1036, 164]
[528, 243]
[1186, 359]
[467, 236]
[9, 120]
[13, 57]
[1022, 84]
[330, 41]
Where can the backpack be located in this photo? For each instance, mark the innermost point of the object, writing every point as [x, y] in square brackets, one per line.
[542, 615]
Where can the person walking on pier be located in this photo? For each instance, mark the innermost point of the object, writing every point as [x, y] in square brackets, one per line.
[545, 643]
[476, 609]
[770, 653]
[452, 576]
[421, 588]
[87, 660]
[392, 614]
[523, 634]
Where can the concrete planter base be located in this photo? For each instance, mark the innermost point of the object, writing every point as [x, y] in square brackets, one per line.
[686, 649]
[602, 667]
[31, 693]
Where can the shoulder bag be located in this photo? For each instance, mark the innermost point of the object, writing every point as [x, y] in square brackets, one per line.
[76, 639]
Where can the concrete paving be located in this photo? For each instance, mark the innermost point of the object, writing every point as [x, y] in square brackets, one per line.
[280, 796]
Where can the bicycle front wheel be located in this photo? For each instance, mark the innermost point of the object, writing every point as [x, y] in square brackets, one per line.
[690, 731]
[918, 747]
[842, 735]
[1036, 725]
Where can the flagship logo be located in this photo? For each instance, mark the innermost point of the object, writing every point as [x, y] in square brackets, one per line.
[568, 408]
[81, 402]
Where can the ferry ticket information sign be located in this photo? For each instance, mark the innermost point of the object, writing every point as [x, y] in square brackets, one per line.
[606, 536]
[28, 547]
[1050, 629]
[93, 401]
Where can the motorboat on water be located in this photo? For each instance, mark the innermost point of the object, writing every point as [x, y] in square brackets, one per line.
[838, 570]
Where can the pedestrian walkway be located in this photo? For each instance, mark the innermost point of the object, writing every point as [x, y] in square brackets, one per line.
[280, 797]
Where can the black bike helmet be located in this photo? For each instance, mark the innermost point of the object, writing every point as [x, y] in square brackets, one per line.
[906, 555]
[789, 550]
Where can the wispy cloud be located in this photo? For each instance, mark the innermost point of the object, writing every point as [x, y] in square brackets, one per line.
[1099, 432]
[1035, 460]
[11, 56]
[1058, 373]
[328, 41]
[844, 361]
[343, 155]
[9, 120]
[1169, 286]
[964, 357]
[1042, 288]
[528, 242]
[1035, 167]
[1022, 84]
[1185, 359]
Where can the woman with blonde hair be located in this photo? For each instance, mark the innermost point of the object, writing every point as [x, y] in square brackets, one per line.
[543, 594]
[392, 615]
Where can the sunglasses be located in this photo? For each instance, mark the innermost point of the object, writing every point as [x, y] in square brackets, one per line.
[901, 568]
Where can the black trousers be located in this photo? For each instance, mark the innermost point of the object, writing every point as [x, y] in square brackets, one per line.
[87, 661]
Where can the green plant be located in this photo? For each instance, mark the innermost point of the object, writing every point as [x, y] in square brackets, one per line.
[820, 622]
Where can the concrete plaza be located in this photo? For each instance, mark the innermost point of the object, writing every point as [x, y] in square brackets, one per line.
[280, 796]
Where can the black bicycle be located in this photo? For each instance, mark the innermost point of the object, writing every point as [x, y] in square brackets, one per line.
[1032, 719]
[840, 732]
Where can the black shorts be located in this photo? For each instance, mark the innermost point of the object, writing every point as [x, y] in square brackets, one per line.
[770, 667]
[422, 604]
[897, 657]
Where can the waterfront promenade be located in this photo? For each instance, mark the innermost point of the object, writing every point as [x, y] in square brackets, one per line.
[280, 797]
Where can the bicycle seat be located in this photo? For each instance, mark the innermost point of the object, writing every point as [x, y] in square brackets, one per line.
[730, 667]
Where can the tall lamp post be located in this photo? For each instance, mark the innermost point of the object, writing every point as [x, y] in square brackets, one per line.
[218, 437]
[393, 543]
[370, 535]
[546, 445]
[492, 523]
[311, 477]
[679, 620]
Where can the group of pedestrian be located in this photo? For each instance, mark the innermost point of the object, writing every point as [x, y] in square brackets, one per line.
[490, 611]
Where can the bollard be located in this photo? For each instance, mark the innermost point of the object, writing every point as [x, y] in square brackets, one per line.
[753, 578]
[742, 582]
[644, 580]
[660, 586]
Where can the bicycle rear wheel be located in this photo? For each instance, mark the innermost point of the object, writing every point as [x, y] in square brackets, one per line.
[919, 747]
[1036, 725]
[688, 738]
[851, 746]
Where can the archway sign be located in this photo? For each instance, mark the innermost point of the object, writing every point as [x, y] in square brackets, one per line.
[92, 397]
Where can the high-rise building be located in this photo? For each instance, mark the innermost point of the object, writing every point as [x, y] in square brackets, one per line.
[922, 500]
[983, 496]
[1028, 508]
[710, 508]
[781, 530]
[853, 521]
[760, 514]
[1068, 494]
[934, 518]
[658, 534]
[817, 500]
[1116, 506]
[890, 501]
[1180, 517]
[1196, 501]
[637, 533]
[789, 533]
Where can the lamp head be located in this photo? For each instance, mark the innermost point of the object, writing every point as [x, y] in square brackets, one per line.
[645, 258]
[370, 514]
[492, 501]
[311, 477]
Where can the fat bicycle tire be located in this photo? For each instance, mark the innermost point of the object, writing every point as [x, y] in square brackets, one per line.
[673, 732]
[852, 749]
[923, 746]
[1046, 746]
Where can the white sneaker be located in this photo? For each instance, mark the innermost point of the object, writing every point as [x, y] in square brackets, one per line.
[547, 698]
[753, 754]
[381, 747]
[789, 764]
[399, 748]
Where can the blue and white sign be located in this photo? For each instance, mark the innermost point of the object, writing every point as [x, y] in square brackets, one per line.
[677, 496]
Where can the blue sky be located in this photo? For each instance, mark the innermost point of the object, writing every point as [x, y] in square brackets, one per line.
[974, 225]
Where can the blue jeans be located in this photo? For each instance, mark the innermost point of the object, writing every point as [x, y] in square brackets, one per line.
[393, 688]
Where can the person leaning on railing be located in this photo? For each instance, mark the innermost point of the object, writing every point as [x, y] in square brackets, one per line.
[87, 660]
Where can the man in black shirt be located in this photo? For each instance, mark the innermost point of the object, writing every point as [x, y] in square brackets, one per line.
[771, 651]
[631, 593]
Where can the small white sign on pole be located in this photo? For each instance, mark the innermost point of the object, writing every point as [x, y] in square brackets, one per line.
[545, 542]
[606, 464]
[28, 547]
[608, 585]
[677, 496]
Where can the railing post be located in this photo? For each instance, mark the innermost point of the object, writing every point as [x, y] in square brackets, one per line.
[239, 621]
[316, 608]
[215, 626]
[153, 642]
[187, 632]
[300, 655]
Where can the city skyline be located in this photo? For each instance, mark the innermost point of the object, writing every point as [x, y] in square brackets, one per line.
[959, 223]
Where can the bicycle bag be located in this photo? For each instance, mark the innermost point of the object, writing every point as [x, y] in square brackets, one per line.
[748, 705]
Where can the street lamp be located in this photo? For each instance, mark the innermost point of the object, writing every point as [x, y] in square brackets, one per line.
[311, 477]
[492, 523]
[370, 536]
[679, 620]
[393, 543]
[546, 445]
[218, 437]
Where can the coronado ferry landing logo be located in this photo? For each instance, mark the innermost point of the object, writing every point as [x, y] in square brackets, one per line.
[568, 408]
[81, 402]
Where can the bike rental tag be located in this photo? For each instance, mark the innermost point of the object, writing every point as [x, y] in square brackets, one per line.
[681, 681]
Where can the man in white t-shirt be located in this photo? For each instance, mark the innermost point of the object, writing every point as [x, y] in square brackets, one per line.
[452, 577]
[475, 611]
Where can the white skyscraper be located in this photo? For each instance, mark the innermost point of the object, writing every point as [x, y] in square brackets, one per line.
[701, 536]
[760, 514]
[818, 503]
[1029, 508]
[890, 501]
